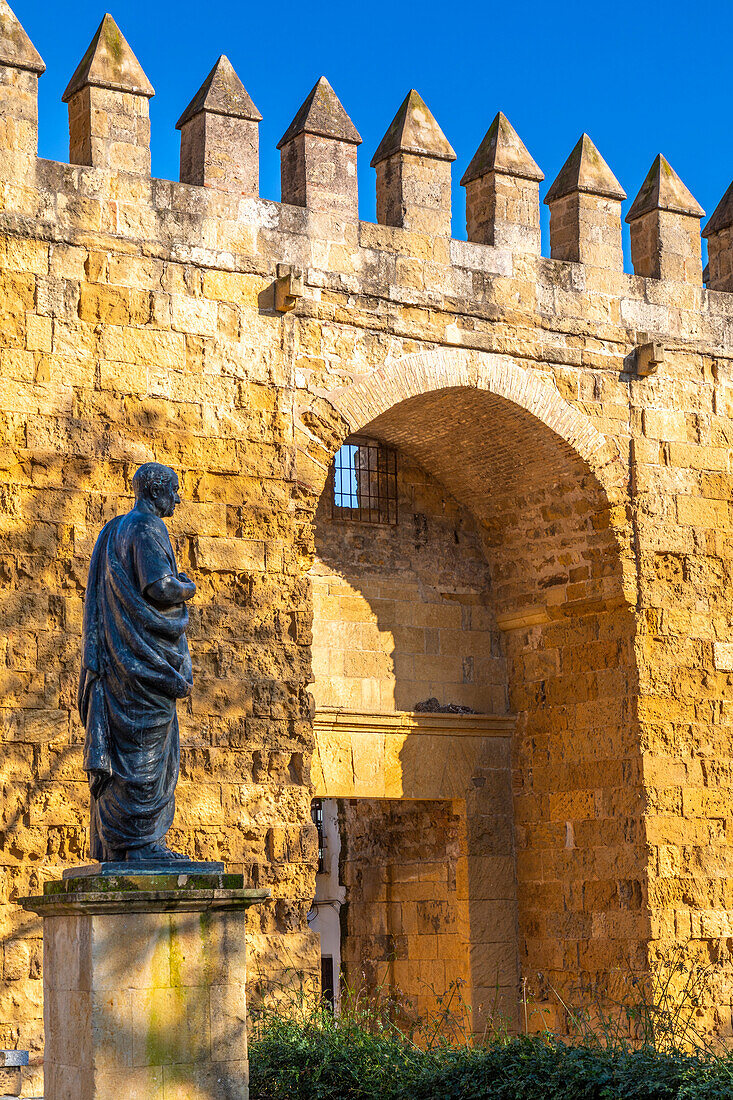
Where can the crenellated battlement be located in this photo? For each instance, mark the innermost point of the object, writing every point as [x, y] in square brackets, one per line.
[109, 127]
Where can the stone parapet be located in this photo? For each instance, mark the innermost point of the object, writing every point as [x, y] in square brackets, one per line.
[318, 155]
[219, 134]
[199, 225]
[108, 102]
[20, 67]
[502, 191]
[108, 98]
[719, 235]
[665, 228]
[413, 172]
[585, 210]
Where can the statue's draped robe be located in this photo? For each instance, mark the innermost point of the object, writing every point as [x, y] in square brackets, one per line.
[135, 665]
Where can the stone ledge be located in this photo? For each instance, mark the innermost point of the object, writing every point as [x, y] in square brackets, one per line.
[407, 755]
[414, 722]
[144, 893]
[522, 618]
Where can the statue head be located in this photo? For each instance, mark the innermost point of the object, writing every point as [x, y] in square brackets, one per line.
[156, 486]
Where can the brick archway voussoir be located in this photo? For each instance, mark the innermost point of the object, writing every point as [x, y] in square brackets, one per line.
[452, 368]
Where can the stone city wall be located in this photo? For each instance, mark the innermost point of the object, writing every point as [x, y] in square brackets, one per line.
[241, 341]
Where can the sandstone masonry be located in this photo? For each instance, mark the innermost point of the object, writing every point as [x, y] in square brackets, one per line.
[241, 341]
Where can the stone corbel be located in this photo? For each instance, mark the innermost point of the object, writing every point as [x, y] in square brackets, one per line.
[288, 287]
[648, 358]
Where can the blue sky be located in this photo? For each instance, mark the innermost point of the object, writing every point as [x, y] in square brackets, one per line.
[640, 78]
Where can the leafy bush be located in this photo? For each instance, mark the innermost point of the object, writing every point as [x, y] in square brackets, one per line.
[322, 1061]
[319, 1058]
[641, 1047]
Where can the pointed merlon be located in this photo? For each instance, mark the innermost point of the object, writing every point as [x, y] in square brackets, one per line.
[322, 114]
[722, 216]
[414, 130]
[585, 170]
[109, 63]
[664, 190]
[16, 49]
[222, 93]
[502, 150]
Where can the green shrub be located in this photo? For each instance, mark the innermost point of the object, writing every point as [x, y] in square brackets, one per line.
[319, 1059]
[641, 1047]
[316, 1059]
[712, 1081]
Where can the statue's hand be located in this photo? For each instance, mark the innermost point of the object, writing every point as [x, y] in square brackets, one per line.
[97, 782]
[186, 580]
[170, 590]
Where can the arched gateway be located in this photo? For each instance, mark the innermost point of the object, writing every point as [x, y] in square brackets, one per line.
[475, 685]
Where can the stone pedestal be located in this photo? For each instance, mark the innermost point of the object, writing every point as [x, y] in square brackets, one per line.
[144, 984]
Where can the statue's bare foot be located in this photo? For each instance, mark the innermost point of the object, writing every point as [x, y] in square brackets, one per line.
[170, 854]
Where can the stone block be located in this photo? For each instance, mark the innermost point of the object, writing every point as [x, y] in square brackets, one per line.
[38, 333]
[227, 1080]
[11, 1072]
[493, 965]
[698, 512]
[226, 555]
[666, 425]
[723, 656]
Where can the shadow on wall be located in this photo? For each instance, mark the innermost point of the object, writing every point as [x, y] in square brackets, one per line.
[403, 869]
[403, 612]
[58, 490]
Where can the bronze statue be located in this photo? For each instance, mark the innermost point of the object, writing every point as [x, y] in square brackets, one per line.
[135, 665]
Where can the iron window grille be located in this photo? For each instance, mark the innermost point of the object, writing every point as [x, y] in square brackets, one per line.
[364, 482]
